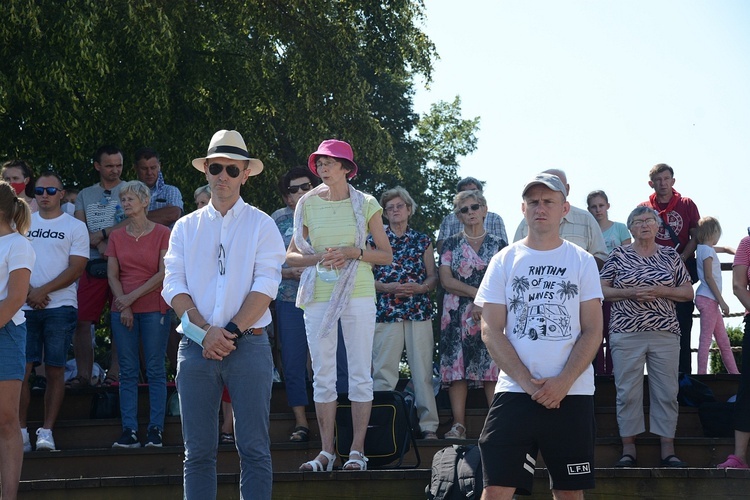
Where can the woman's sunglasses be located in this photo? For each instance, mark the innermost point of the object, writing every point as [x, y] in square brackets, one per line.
[304, 187]
[474, 208]
[233, 171]
[39, 191]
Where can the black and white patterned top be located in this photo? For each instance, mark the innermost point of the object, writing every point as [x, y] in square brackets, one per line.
[625, 268]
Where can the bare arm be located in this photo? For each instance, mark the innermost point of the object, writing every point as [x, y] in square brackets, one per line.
[154, 282]
[494, 321]
[218, 342]
[165, 215]
[295, 258]
[454, 286]
[739, 285]
[39, 295]
[692, 244]
[682, 293]
[554, 389]
[429, 263]
[708, 278]
[413, 288]
[383, 253]
[339, 256]
[18, 285]
[613, 294]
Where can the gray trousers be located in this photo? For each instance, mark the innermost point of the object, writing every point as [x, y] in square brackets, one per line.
[660, 353]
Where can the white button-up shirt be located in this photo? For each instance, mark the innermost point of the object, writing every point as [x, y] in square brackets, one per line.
[251, 260]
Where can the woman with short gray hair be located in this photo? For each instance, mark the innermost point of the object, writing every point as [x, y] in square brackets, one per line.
[135, 270]
[404, 308]
[643, 281]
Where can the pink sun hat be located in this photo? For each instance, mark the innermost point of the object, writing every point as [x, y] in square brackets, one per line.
[335, 149]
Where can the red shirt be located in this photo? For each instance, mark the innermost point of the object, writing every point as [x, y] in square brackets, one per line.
[139, 261]
[682, 218]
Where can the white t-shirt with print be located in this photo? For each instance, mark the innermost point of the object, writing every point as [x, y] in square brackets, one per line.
[542, 291]
[54, 241]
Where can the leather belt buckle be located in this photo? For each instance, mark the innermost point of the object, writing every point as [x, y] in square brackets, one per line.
[249, 331]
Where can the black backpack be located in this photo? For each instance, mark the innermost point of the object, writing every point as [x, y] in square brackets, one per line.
[456, 474]
[389, 433]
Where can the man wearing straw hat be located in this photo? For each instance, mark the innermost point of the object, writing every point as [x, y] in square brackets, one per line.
[223, 268]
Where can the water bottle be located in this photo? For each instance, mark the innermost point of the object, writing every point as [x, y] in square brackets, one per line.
[119, 214]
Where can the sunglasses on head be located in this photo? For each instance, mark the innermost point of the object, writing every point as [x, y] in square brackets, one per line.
[304, 187]
[39, 191]
[232, 170]
[474, 208]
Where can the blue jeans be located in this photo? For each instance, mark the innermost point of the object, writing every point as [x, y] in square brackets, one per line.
[152, 329]
[248, 374]
[50, 331]
[293, 351]
[12, 351]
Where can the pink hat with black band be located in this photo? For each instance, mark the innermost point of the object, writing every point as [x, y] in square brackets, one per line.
[334, 149]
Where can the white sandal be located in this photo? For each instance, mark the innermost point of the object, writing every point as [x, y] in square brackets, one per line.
[361, 462]
[317, 466]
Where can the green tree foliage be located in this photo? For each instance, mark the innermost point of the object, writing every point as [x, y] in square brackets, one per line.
[75, 74]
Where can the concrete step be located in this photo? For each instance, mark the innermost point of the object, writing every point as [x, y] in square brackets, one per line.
[287, 457]
[101, 433]
[77, 403]
[654, 484]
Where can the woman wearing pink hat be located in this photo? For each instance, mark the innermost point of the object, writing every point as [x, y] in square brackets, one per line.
[338, 285]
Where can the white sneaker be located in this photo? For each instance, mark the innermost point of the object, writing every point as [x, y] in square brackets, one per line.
[44, 440]
[26, 441]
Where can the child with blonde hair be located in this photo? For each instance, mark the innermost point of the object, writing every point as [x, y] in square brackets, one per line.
[708, 297]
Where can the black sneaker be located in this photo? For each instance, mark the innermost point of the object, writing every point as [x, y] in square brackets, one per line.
[154, 438]
[129, 439]
[39, 384]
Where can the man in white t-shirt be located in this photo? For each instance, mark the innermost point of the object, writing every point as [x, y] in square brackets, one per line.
[61, 243]
[542, 324]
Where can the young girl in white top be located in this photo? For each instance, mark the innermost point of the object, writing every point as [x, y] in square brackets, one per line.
[708, 297]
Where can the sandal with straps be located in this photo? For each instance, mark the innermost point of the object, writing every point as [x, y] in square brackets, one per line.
[301, 434]
[77, 382]
[356, 464]
[317, 466]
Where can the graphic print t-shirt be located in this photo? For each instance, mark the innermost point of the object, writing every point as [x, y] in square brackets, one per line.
[542, 291]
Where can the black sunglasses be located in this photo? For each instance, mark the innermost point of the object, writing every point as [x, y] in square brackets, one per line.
[39, 191]
[304, 187]
[232, 170]
[474, 207]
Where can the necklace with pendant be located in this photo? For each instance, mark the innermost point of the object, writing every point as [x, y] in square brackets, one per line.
[142, 233]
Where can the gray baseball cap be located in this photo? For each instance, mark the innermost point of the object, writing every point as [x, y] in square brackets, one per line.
[551, 181]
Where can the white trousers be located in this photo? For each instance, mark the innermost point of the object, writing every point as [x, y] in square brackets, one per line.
[358, 327]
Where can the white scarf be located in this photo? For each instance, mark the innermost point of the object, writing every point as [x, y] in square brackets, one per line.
[343, 288]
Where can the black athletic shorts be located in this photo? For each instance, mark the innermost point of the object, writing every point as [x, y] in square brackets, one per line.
[517, 428]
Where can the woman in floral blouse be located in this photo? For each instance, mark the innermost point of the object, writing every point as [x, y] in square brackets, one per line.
[464, 360]
[404, 308]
